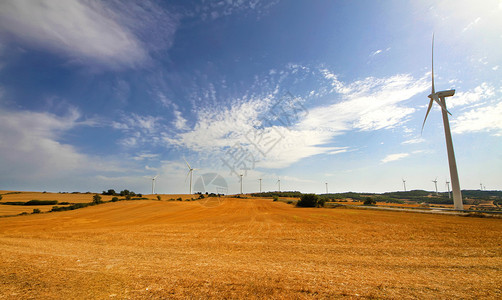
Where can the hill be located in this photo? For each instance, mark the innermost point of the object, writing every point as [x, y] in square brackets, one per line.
[247, 248]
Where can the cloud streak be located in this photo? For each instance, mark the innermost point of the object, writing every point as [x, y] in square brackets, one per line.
[364, 105]
[107, 33]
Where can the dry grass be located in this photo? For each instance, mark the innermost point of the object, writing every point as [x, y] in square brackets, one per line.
[247, 248]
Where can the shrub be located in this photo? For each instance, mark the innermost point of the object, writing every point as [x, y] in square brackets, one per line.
[308, 200]
[96, 199]
[289, 202]
[115, 199]
[128, 197]
[179, 199]
[276, 198]
[321, 202]
[201, 196]
[36, 211]
[41, 202]
[369, 201]
[110, 192]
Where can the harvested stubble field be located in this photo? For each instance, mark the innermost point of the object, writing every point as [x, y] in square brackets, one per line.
[247, 248]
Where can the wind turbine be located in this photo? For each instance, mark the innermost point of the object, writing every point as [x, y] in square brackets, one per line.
[448, 185]
[279, 182]
[481, 186]
[153, 184]
[190, 172]
[436, 184]
[326, 188]
[241, 182]
[439, 97]
[404, 184]
[260, 184]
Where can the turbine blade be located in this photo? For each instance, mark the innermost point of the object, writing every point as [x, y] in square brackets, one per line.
[187, 164]
[432, 63]
[186, 177]
[426, 114]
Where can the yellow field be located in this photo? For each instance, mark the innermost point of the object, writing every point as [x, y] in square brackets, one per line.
[247, 248]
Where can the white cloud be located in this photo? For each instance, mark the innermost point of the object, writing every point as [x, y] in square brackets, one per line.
[179, 122]
[481, 92]
[394, 157]
[31, 147]
[364, 105]
[480, 119]
[104, 32]
[414, 141]
[471, 24]
[376, 52]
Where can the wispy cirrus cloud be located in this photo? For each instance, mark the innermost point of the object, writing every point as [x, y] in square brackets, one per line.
[33, 150]
[482, 92]
[480, 119]
[108, 33]
[364, 105]
[394, 157]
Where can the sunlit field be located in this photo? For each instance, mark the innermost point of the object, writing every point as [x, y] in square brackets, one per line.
[246, 248]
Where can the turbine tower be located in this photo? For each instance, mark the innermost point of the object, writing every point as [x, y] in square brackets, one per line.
[241, 182]
[436, 184]
[326, 188]
[404, 184]
[153, 184]
[448, 185]
[260, 184]
[439, 97]
[279, 182]
[190, 172]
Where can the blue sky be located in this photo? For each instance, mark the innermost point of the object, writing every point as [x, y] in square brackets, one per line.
[106, 94]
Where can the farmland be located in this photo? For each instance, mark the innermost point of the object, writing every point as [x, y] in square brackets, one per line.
[246, 248]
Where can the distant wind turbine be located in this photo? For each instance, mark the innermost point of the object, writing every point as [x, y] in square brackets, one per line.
[326, 187]
[404, 184]
[260, 184]
[153, 184]
[190, 172]
[241, 182]
[436, 184]
[481, 186]
[439, 97]
[448, 185]
[279, 182]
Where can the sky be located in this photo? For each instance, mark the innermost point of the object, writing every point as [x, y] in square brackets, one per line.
[98, 95]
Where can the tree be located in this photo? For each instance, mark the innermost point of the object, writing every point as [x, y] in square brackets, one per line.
[369, 201]
[96, 199]
[36, 211]
[158, 197]
[308, 200]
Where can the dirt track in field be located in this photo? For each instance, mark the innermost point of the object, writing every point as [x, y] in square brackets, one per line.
[245, 248]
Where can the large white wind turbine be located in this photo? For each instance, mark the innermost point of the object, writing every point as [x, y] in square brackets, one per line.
[439, 97]
[260, 184]
[404, 184]
[153, 184]
[436, 184]
[326, 187]
[190, 172]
